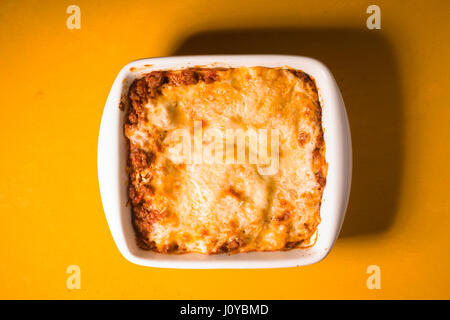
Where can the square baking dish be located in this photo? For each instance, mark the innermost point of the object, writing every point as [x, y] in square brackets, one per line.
[113, 179]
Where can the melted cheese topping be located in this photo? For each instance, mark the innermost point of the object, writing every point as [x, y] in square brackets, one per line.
[181, 206]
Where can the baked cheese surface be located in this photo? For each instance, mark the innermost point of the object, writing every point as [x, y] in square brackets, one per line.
[225, 160]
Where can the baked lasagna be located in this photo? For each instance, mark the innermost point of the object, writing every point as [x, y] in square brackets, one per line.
[225, 159]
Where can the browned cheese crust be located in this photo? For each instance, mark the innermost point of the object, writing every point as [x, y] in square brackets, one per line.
[180, 207]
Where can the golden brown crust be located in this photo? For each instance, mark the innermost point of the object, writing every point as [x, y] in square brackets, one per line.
[152, 195]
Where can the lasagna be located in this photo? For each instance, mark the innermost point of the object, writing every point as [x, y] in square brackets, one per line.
[224, 159]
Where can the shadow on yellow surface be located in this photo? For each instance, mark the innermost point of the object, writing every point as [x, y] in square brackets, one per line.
[366, 71]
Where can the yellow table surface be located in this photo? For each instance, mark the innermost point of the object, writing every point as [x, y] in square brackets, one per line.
[54, 83]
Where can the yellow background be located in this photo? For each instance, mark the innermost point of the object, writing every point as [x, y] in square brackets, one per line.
[54, 83]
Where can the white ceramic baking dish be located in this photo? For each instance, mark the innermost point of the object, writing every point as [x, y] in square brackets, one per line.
[112, 154]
